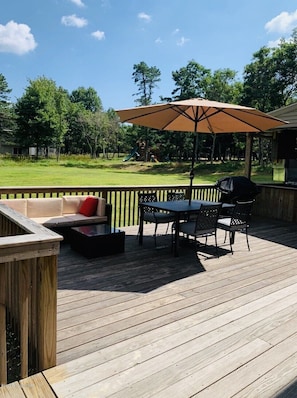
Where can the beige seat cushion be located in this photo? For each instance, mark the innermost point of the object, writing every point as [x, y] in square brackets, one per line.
[69, 220]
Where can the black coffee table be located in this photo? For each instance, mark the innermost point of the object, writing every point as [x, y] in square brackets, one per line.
[97, 240]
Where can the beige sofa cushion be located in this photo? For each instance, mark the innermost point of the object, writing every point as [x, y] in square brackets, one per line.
[44, 207]
[101, 207]
[71, 204]
[19, 205]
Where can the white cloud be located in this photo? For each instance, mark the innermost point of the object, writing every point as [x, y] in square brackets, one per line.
[273, 43]
[16, 38]
[158, 40]
[73, 20]
[78, 3]
[282, 23]
[182, 41]
[144, 16]
[176, 31]
[98, 35]
[277, 42]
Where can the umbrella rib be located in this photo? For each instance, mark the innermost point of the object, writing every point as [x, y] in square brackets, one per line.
[142, 115]
[179, 112]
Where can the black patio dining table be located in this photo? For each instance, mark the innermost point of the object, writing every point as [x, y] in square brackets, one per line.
[178, 208]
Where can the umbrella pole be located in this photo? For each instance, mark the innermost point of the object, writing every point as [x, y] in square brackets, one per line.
[192, 173]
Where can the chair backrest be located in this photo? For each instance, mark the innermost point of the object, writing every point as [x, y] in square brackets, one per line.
[175, 196]
[207, 218]
[241, 213]
[147, 197]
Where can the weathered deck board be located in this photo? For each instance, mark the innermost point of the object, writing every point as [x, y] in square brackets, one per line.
[147, 324]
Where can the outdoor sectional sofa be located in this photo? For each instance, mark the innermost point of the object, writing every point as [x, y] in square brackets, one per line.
[63, 212]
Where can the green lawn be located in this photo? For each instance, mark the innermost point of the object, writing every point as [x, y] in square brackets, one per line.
[73, 171]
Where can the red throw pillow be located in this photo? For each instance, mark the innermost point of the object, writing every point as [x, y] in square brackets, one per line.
[89, 206]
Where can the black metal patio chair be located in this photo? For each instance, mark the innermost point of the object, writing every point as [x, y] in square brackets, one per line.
[153, 216]
[203, 223]
[238, 221]
[175, 196]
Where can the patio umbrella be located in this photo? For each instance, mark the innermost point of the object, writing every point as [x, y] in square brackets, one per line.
[199, 115]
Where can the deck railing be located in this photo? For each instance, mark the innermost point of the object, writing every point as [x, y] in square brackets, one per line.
[124, 200]
[28, 295]
[275, 201]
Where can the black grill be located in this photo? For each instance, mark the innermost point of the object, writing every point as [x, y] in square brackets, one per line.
[234, 189]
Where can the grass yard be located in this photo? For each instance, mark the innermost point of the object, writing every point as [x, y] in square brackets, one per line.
[81, 170]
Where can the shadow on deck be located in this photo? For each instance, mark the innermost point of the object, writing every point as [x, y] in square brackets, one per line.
[146, 268]
[140, 269]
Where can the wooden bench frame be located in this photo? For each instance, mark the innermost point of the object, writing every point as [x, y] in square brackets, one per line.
[28, 290]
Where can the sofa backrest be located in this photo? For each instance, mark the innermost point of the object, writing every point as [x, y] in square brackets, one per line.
[19, 205]
[72, 203]
[101, 207]
[50, 207]
[44, 207]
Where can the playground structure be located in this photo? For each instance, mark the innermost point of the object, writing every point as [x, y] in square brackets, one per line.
[132, 154]
[139, 152]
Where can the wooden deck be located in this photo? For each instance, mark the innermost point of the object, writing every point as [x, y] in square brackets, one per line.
[147, 324]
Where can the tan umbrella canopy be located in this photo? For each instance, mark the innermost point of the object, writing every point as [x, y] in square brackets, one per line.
[199, 115]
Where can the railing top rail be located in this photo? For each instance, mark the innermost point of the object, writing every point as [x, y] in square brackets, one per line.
[35, 238]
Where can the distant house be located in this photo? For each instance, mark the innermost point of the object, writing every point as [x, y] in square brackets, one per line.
[6, 146]
[9, 148]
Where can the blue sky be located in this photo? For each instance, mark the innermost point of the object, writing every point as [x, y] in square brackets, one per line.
[95, 43]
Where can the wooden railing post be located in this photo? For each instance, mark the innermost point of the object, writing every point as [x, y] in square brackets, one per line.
[3, 354]
[24, 292]
[47, 312]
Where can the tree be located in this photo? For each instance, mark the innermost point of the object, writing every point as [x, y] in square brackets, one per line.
[223, 86]
[88, 97]
[114, 135]
[284, 58]
[194, 81]
[4, 93]
[85, 108]
[259, 89]
[93, 125]
[146, 78]
[190, 81]
[6, 111]
[74, 141]
[270, 80]
[41, 115]
[61, 126]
